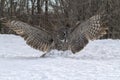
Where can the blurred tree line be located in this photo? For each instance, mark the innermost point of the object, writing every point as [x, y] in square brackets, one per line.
[54, 14]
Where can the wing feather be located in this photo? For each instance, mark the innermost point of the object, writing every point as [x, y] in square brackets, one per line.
[34, 37]
[91, 29]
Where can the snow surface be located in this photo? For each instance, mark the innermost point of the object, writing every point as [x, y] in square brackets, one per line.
[99, 60]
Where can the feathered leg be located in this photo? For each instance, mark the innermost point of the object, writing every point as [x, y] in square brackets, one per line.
[43, 55]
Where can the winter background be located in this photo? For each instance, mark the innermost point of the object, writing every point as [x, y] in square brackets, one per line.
[99, 60]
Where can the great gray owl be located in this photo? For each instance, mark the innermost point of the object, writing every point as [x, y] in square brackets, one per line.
[73, 39]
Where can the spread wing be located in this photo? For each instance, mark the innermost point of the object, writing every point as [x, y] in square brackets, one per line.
[36, 38]
[91, 29]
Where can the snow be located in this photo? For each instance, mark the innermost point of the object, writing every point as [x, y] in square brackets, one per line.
[99, 60]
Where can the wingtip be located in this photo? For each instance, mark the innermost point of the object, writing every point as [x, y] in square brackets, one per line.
[3, 19]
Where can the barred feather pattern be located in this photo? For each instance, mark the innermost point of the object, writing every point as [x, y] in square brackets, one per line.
[96, 29]
[75, 41]
[34, 37]
[91, 29]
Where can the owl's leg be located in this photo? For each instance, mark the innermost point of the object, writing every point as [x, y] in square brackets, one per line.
[43, 55]
[47, 49]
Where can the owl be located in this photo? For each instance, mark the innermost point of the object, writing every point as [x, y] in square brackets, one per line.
[74, 39]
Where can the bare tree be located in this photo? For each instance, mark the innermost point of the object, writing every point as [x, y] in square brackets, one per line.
[62, 13]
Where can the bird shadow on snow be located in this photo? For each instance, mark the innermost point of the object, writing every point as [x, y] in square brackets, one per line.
[58, 54]
[51, 55]
[20, 57]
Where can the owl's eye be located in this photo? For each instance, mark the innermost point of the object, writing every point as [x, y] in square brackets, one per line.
[64, 34]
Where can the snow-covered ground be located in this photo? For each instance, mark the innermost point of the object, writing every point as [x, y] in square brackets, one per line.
[99, 60]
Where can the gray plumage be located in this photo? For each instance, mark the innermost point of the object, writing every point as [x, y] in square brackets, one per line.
[72, 39]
